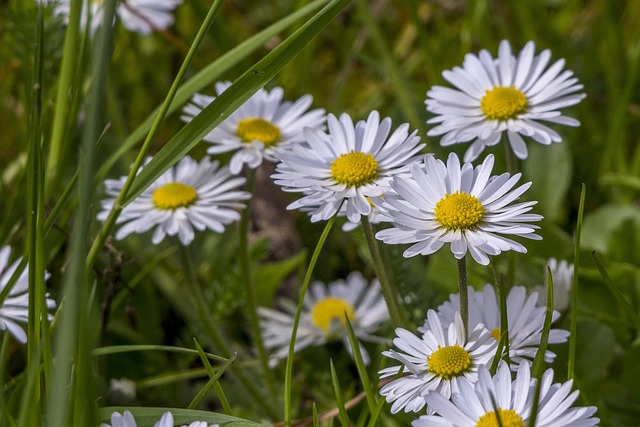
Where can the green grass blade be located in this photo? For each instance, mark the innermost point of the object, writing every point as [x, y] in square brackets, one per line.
[362, 369]
[538, 360]
[115, 349]
[214, 376]
[208, 75]
[618, 295]
[232, 98]
[342, 412]
[373, 422]
[573, 329]
[314, 414]
[216, 384]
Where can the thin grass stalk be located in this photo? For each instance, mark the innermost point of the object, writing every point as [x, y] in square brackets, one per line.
[72, 340]
[4, 352]
[376, 414]
[538, 360]
[212, 380]
[314, 414]
[342, 412]
[389, 291]
[464, 293]
[117, 349]
[573, 328]
[296, 321]
[119, 203]
[249, 285]
[362, 369]
[504, 321]
[216, 384]
[216, 337]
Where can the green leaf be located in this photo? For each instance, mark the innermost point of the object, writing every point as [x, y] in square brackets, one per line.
[232, 98]
[550, 169]
[344, 418]
[269, 277]
[147, 417]
[600, 224]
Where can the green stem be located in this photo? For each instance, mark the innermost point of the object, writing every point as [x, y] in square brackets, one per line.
[464, 293]
[216, 337]
[388, 290]
[119, 203]
[296, 321]
[510, 157]
[573, 328]
[249, 286]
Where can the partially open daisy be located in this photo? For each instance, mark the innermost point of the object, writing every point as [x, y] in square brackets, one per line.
[525, 320]
[139, 16]
[509, 94]
[191, 195]
[473, 405]
[440, 361]
[562, 275]
[349, 163]
[465, 207]
[127, 419]
[323, 319]
[15, 308]
[260, 128]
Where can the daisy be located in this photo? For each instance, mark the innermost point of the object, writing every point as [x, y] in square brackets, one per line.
[525, 320]
[140, 16]
[15, 308]
[127, 420]
[511, 95]
[465, 207]
[474, 405]
[562, 275]
[324, 316]
[349, 163]
[261, 128]
[191, 195]
[440, 361]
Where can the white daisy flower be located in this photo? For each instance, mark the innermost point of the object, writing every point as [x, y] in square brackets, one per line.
[525, 320]
[349, 163]
[127, 420]
[463, 206]
[191, 195]
[473, 406]
[509, 94]
[440, 361]
[374, 217]
[260, 129]
[15, 308]
[323, 318]
[139, 16]
[562, 275]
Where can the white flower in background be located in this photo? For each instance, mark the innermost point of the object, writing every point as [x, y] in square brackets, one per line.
[15, 308]
[562, 275]
[323, 316]
[348, 164]
[191, 195]
[465, 207]
[474, 406]
[442, 359]
[525, 320]
[260, 129]
[509, 94]
[127, 420]
[123, 387]
[139, 16]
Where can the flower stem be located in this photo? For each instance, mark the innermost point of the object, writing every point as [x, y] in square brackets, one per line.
[464, 295]
[249, 286]
[296, 320]
[388, 290]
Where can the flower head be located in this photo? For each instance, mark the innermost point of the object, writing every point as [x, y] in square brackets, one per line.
[509, 94]
[440, 361]
[465, 207]
[260, 129]
[562, 276]
[473, 405]
[15, 308]
[525, 320]
[140, 16]
[323, 319]
[191, 195]
[349, 164]
[127, 419]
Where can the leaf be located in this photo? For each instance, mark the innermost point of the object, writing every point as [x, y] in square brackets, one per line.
[600, 224]
[269, 277]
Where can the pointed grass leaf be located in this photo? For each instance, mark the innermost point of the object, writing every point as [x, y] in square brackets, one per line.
[342, 412]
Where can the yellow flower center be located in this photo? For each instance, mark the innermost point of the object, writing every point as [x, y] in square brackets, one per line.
[503, 103]
[508, 418]
[174, 195]
[496, 333]
[257, 129]
[450, 361]
[329, 309]
[459, 211]
[354, 169]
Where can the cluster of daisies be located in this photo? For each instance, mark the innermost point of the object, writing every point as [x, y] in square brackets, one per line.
[371, 171]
